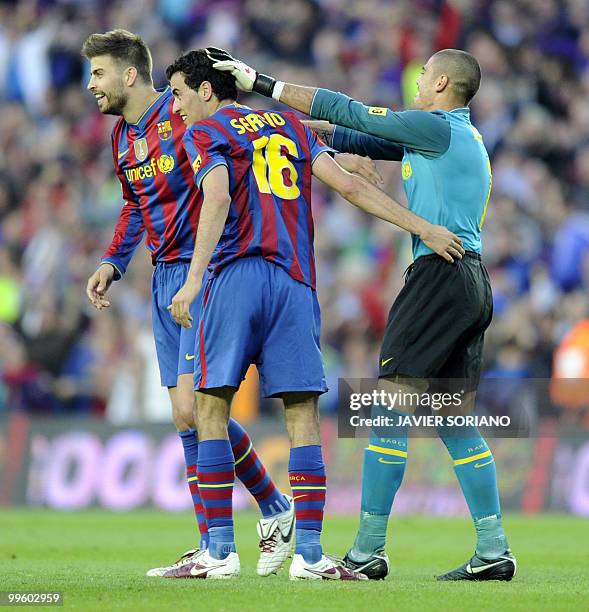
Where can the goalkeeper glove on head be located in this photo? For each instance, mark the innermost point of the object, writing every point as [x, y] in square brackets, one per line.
[246, 78]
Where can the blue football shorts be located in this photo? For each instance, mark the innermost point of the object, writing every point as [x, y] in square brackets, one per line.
[174, 344]
[253, 311]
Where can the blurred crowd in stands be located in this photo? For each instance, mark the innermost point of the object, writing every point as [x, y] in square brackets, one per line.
[59, 197]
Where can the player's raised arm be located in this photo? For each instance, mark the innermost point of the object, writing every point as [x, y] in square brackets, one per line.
[426, 132]
[370, 199]
[215, 207]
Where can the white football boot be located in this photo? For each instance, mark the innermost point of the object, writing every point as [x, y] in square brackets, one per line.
[185, 558]
[202, 565]
[276, 539]
[325, 569]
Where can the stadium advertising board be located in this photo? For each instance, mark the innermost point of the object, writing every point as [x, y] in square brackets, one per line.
[71, 465]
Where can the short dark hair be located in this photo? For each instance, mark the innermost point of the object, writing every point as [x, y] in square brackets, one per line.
[464, 72]
[197, 67]
[125, 47]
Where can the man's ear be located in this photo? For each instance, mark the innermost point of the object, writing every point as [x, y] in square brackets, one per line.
[130, 76]
[441, 83]
[205, 91]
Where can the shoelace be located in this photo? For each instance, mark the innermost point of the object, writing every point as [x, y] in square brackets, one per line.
[269, 544]
[340, 564]
[185, 558]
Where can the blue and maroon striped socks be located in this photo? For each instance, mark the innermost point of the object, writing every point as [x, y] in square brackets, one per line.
[306, 472]
[252, 473]
[190, 446]
[248, 468]
[216, 475]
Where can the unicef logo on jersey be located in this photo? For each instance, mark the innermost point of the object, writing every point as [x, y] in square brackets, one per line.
[165, 163]
[406, 170]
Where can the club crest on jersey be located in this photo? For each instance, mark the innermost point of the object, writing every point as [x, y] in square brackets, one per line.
[406, 170]
[140, 147]
[165, 163]
[164, 129]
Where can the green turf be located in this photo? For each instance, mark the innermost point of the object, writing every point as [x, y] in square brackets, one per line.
[98, 559]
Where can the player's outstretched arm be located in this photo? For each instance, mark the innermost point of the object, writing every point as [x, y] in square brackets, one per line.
[370, 199]
[362, 166]
[213, 215]
[323, 129]
[419, 130]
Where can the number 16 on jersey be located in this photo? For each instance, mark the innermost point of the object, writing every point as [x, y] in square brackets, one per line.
[273, 169]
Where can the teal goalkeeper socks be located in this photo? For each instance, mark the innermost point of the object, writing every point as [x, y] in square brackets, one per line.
[382, 474]
[371, 536]
[491, 540]
[474, 466]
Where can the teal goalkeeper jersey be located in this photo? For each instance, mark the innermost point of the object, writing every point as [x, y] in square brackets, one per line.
[445, 167]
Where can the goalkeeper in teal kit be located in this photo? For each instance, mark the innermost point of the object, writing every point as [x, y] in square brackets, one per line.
[436, 325]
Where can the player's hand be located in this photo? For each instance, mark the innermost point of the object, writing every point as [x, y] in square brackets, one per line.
[98, 284]
[180, 306]
[245, 76]
[363, 166]
[443, 242]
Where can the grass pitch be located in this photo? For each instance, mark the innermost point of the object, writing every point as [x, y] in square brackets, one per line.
[98, 560]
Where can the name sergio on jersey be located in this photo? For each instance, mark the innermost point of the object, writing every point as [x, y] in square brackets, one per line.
[164, 164]
[254, 122]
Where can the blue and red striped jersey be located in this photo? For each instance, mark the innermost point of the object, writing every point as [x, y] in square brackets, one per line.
[158, 188]
[268, 156]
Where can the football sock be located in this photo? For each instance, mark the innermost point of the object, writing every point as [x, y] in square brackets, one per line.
[475, 468]
[385, 459]
[190, 446]
[306, 472]
[252, 473]
[216, 475]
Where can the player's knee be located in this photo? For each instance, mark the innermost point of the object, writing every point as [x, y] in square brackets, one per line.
[407, 391]
[212, 413]
[302, 419]
[183, 414]
[182, 397]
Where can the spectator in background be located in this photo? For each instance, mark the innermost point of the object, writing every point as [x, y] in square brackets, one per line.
[569, 386]
[10, 291]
